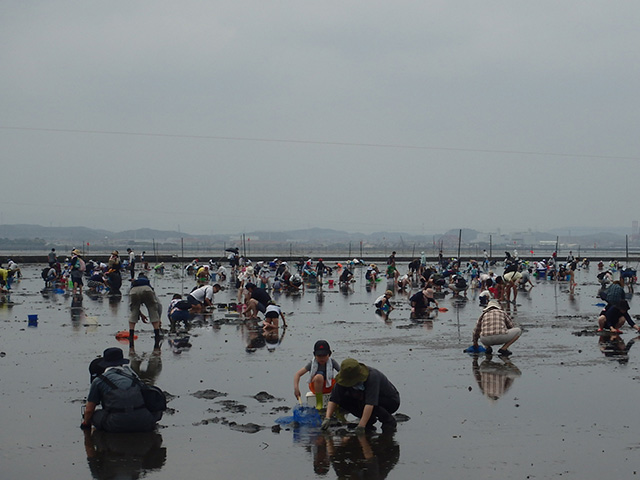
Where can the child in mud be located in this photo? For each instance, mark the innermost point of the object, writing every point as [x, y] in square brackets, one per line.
[322, 369]
[272, 314]
[613, 317]
[383, 302]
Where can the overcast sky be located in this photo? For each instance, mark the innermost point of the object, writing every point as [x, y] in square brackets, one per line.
[224, 117]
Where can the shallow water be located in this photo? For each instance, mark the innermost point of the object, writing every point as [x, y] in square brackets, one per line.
[558, 407]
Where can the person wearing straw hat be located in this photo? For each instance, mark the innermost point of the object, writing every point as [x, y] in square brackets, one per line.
[117, 388]
[77, 270]
[114, 278]
[366, 393]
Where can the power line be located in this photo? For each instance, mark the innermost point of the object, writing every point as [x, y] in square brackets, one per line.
[320, 142]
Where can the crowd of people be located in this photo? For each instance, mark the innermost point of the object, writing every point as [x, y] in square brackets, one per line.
[336, 388]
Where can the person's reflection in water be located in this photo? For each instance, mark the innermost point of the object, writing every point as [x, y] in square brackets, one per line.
[77, 310]
[320, 297]
[361, 456]
[123, 455]
[613, 346]
[252, 332]
[272, 336]
[5, 301]
[345, 289]
[114, 303]
[495, 378]
[384, 316]
[148, 375]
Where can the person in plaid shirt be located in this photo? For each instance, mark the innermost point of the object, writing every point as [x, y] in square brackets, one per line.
[495, 327]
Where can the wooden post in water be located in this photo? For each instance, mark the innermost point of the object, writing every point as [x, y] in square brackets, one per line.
[490, 248]
[182, 265]
[627, 247]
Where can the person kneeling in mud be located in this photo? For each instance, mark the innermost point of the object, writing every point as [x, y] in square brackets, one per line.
[118, 389]
[321, 370]
[272, 315]
[383, 302]
[612, 318]
[365, 393]
[421, 303]
[179, 311]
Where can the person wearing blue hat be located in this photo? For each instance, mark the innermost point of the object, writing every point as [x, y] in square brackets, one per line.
[119, 391]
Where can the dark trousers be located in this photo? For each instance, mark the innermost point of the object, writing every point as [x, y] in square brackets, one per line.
[381, 412]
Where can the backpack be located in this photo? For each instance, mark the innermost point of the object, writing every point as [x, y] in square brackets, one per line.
[82, 266]
[154, 398]
[513, 267]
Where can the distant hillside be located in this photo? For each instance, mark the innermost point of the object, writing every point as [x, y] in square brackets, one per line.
[14, 232]
[580, 236]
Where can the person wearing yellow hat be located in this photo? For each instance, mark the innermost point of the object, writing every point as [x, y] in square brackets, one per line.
[366, 393]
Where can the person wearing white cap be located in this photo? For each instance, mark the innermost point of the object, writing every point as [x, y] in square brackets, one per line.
[495, 327]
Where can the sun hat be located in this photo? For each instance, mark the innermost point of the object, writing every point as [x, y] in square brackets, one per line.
[75, 251]
[113, 357]
[351, 373]
[321, 348]
[493, 304]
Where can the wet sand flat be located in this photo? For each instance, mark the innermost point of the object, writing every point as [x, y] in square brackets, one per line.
[563, 405]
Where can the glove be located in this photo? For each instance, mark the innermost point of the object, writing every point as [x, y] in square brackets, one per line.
[360, 430]
[85, 426]
[325, 424]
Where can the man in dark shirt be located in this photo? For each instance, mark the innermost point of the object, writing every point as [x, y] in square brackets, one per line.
[365, 393]
[256, 300]
[421, 300]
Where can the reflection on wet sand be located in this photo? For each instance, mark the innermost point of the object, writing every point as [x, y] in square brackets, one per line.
[123, 455]
[352, 456]
[77, 309]
[495, 377]
[613, 346]
[148, 375]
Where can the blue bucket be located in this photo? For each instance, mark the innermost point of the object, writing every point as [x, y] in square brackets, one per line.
[33, 320]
